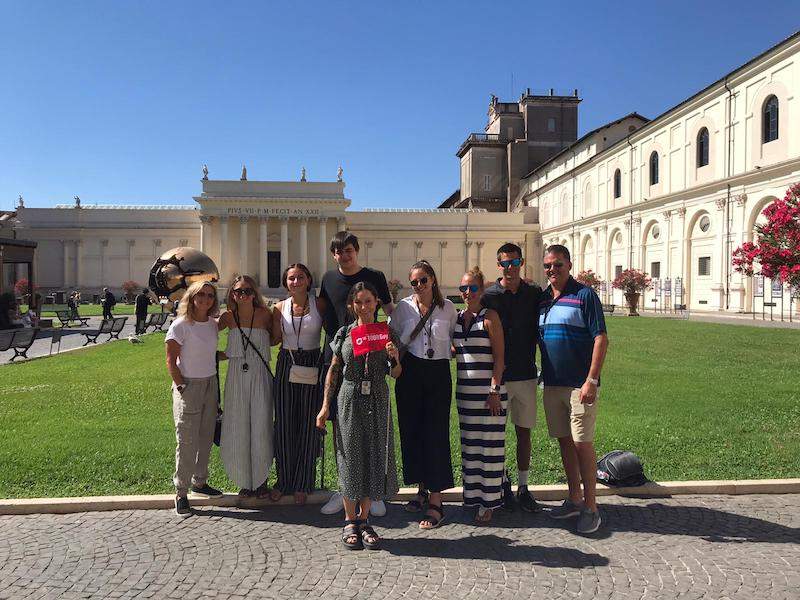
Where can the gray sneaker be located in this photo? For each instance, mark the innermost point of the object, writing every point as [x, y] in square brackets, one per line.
[589, 521]
[566, 510]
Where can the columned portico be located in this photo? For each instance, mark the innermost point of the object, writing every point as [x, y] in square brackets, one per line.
[223, 246]
[263, 265]
[284, 243]
[323, 247]
[243, 255]
[304, 240]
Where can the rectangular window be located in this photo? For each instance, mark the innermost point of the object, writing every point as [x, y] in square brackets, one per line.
[655, 270]
[487, 183]
[704, 266]
[617, 271]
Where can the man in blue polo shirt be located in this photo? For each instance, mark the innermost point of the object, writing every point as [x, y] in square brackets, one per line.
[573, 341]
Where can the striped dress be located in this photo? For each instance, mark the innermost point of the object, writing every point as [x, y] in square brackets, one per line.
[482, 435]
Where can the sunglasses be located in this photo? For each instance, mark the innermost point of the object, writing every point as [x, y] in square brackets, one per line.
[514, 262]
[555, 265]
[472, 288]
[208, 295]
[417, 282]
[243, 291]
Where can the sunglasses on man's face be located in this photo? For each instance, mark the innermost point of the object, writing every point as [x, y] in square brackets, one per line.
[464, 288]
[513, 262]
[418, 282]
[243, 291]
[553, 265]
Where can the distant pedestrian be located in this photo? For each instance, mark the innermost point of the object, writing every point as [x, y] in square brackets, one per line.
[108, 301]
[573, 340]
[142, 302]
[191, 361]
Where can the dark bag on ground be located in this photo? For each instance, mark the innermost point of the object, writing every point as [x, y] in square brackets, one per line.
[620, 468]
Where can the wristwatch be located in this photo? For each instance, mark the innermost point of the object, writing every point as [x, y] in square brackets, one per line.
[180, 388]
[494, 389]
[593, 381]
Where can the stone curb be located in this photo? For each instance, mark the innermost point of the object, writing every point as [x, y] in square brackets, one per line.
[26, 506]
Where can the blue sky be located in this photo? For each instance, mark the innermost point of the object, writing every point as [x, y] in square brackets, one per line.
[122, 102]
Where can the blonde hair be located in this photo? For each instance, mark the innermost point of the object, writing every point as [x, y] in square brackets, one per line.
[476, 273]
[258, 300]
[186, 306]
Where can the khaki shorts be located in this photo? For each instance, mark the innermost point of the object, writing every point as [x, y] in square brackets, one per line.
[522, 402]
[566, 416]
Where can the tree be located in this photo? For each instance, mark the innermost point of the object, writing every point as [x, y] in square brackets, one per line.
[775, 251]
[130, 288]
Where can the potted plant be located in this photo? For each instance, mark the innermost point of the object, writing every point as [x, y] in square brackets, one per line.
[589, 278]
[394, 288]
[632, 282]
[129, 289]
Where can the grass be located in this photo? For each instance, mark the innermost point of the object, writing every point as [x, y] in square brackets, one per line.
[92, 310]
[694, 400]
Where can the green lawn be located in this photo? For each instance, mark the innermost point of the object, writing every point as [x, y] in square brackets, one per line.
[92, 310]
[694, 400]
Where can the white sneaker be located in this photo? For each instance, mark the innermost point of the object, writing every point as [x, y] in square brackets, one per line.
[377, 508]
[333, 506]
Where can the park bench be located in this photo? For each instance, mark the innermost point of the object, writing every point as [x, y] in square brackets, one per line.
[609, 308]
[112, 327]
[156, 321]
[66, 318]
[18, 340]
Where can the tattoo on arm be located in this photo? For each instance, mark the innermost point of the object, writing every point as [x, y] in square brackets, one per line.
[332, 379]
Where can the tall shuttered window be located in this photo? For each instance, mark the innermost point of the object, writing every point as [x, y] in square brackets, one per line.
[770, 119]
[702, 147]
[617, 184]
[654, 168]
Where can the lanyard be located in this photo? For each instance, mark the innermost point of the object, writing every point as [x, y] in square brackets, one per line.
[303, 316]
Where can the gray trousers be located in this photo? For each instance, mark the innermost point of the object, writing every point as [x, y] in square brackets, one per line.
[195, 414]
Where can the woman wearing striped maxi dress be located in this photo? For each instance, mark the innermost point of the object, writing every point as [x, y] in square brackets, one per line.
[480, 398]
[297, 440]
[247, 424]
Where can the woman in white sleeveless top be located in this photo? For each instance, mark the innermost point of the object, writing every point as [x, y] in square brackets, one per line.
[246, 443]
[298, 393]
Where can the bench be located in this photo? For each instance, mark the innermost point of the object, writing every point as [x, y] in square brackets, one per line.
[18, 340]
[66, 318]
[609, 308]
[112, 327]
[156, 321]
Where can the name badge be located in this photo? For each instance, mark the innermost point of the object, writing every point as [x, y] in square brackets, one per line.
[366, 387]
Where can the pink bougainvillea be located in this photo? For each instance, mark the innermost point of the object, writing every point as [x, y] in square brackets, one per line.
[775, 253]
[632, 281]
[589, 278]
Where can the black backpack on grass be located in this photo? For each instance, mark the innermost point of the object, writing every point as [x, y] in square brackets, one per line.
[620, 468]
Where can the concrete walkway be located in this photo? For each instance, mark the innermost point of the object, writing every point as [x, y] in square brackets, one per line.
[71, 339]
[684, 547]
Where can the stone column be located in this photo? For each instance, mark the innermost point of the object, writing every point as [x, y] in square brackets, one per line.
[467, 246]
[392, 252]
[205, 230]
[719, 286]
[304, 240]
[341, 224]
[596, 267]
[367, 247]
[667, 215]
[480, 254]
[65, 244]
[156, 248]
[243, 262]
[223, 247]
[739, 293]
[284, 243]
[638, 248]
[263, 275]
[103, 261]
[323, 247]
[131, 258]
[681, 212]
[628, 244]
[79, 263]
[442, 246]
[417, 250]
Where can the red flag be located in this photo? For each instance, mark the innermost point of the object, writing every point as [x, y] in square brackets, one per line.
[371, 337]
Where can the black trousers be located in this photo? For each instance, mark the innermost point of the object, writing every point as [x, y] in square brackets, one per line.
[140, 323]
[424, 392]
[107, 312]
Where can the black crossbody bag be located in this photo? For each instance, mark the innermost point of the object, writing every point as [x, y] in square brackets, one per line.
[404, 347]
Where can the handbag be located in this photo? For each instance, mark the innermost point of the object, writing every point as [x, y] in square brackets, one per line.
[301, 374]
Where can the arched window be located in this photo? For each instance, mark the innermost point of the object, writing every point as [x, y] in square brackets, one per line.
[617, 184]
[770, 119]
[587, 200]
[654, 168]
[702, 147]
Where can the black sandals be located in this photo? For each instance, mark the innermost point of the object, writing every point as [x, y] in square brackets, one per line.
[415, 506]
[352, 529]
[434, 522]
[369, 538]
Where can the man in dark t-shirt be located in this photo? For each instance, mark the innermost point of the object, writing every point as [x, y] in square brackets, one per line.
[517, 304]
[335, 287]
[142, 302]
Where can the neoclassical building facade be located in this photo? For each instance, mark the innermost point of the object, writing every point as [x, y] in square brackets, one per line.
[673, 196]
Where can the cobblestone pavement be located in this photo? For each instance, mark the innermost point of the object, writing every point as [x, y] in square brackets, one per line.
[687, 547]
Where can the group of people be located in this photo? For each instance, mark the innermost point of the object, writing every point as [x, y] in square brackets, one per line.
[284, 417]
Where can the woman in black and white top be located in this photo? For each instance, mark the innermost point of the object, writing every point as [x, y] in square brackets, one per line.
[298, 394]
[424, 322]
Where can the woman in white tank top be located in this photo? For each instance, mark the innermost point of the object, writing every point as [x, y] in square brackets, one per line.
[298, 393]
